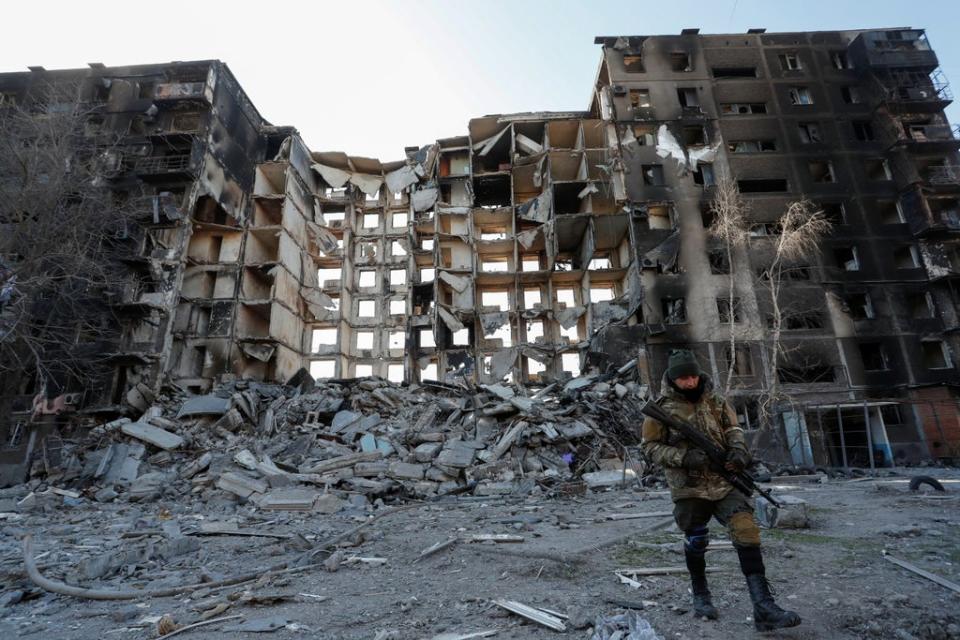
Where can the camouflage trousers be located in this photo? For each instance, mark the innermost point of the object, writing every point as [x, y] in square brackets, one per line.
[734, 511]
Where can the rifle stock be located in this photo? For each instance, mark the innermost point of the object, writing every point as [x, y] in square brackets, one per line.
[741, 481]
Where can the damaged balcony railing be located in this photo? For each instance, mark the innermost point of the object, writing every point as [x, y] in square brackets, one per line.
[156, 165]
[943, 175]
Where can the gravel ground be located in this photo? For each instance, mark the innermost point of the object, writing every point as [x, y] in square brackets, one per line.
[833, 573]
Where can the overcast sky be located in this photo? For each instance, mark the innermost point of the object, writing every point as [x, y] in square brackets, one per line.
[371, 77]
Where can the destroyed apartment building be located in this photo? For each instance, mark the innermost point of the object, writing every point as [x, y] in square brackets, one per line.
[539, 247]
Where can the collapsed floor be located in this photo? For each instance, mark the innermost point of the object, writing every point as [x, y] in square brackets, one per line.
[409, 512]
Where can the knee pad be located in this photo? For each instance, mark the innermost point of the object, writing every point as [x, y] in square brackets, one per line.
[744, 530]
[696, 539]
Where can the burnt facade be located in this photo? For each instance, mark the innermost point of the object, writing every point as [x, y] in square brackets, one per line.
[540, 246]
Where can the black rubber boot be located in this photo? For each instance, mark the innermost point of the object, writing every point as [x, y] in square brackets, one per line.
[702, 604]
[767, 615]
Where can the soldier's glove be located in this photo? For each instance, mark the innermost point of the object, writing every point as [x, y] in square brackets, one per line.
[695, 459]
[737, 460]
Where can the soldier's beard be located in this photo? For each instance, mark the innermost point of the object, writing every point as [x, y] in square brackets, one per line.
[691, 395]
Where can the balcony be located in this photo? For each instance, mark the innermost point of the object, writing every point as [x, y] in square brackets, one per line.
[179, 164]
[904, 91]
[176, 91]
[942, 175]
[900, 48]
[927, 138]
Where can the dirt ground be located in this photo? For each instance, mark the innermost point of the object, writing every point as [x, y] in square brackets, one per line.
[833, 573]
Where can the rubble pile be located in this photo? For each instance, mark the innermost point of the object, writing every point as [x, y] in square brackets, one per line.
[310, 447]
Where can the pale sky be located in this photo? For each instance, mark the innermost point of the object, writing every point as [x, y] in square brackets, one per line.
[371, 77]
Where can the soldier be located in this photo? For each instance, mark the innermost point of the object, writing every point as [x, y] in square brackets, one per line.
[699, 493]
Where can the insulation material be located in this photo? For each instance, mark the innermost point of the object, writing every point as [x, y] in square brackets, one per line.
[401, 179]
[326, 241]
[701, 154]
[317, 301]
[501, 362]
[261, 352]
[538, 208]
[568, 317]
[493, 321]
[528, 237]
[664, 255]
[484, 146]
[423, 199]
[457, 282]
[587, 190]
[370, 185]
[527, 145]
[450, 320]
[687, 159]
[334, 177]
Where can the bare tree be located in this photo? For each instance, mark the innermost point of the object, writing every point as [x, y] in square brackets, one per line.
[729, 225]
[63, 231]
[801, 229]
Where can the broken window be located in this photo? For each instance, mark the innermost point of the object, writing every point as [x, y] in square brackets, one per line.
[805, 373]
[364, 339]
[809, 132]
[803, 320]
[602, 294]
[372, 197]
[534, 330]
[397, 249]
[762, 185]
[890, 212]
[633, 63]
[366, 309]
[874, 356]
[495, 265]
[761, 229]
[371, 220]
[498, 299]
[723, 310]
[646, 135]
[694, 135]
[743, 108]
[920, 305]
[752, 146]
[363, 370]
[426, 339]
[840, 60]
[660, 216]
[877, 169]
[847, 258]
[862, 130]
[652, 175]
[395, 373]
[396, 340]
[742, 360]
[674, 310]
[906, 257]
[322, 369]
[368, 278]
[570, 362]
[322, 337]
[530, 263]
[703, 176]
[597, 264]
[800, 96]
[790, 62]
[329, 275]
[734, 72]
[399, 221]
[640, 99]
[534, 368]
[429, 372]
[426, 274]
[851, 95]
[680, 61]
[426, 244]
[531, 298]
[719, 262]
[688, 98]
[834, 212]
[461, 338]
[935, 355]
[398, 277]
[859, 306]
[821, 171]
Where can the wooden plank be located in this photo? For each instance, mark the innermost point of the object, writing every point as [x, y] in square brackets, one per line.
[943, 582]
[436, 548]
[494, 537]
[530, 613]
[631, 516]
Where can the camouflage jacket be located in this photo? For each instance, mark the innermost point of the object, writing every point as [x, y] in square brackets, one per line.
[714, 417]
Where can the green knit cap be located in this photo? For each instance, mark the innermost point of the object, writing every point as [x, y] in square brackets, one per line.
[681, 363]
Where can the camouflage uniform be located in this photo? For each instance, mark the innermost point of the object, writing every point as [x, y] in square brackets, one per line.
[699, 494]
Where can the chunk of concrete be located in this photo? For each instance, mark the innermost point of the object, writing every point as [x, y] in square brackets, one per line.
[240, 485]
[792, 514]
[406, 471]
[427, 451]
[610, 478]
[152, 435]
[456, 454]
[208, 405]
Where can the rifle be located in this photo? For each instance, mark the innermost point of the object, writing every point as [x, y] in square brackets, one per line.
[741, 481]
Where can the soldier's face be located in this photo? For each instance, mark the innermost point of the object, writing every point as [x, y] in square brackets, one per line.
[687, 382]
